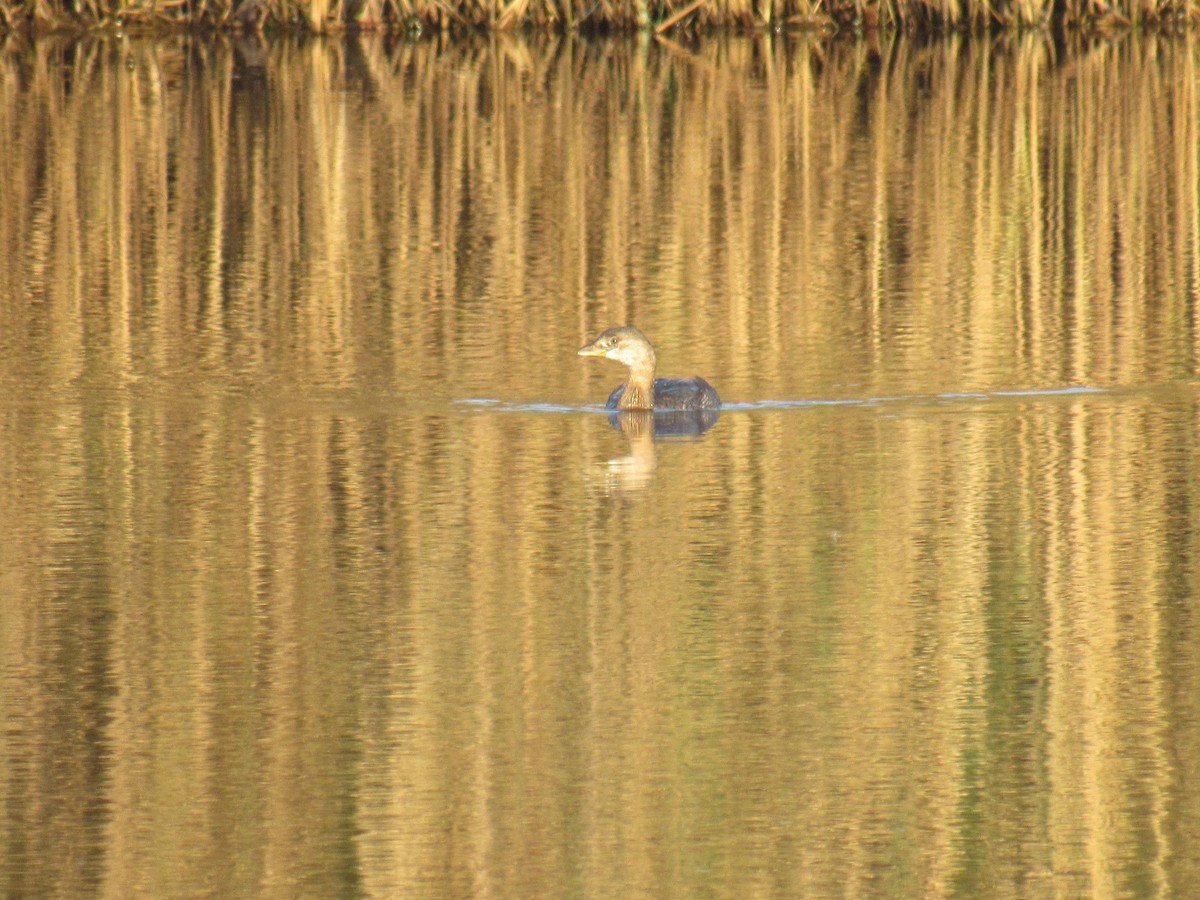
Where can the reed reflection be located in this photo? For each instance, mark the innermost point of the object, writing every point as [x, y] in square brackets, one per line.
[791, 218]
[288, 619]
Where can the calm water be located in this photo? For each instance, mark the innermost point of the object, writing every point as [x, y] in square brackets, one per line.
[322, 574]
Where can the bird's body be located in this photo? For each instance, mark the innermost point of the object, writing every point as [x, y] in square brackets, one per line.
[670, 393]
[642, 390]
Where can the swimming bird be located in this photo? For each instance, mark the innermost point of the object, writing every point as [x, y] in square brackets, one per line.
[641, 389]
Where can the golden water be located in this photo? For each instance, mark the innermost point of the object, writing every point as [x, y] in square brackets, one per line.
[321, 573]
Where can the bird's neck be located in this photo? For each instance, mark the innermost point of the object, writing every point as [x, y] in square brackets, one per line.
[639, 388]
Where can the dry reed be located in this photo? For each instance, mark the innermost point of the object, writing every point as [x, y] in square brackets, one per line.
[660, 15]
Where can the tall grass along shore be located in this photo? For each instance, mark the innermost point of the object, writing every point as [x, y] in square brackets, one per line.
[657, 15]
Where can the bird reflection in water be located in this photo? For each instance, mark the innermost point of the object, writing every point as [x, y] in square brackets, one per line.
[644, 428]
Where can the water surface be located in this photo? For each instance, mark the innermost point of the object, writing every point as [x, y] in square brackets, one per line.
[324, 573]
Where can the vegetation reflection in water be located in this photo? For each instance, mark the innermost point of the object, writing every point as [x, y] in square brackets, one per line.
[283, 614]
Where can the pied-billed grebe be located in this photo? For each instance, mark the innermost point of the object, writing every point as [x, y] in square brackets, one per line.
[642, 390]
